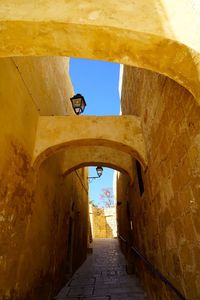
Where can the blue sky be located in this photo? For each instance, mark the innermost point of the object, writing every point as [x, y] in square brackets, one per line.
[98, 82]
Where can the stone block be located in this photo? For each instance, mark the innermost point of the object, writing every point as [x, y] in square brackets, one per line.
[186, 257]
[193, 121]
[191, 285]
[185, 200]
[196, 253]
[196, 222]
[181, 176]
[170, 237]
[188, 228]
[175, 206]
[178, 228]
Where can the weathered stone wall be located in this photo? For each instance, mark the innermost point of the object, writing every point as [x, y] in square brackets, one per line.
[35, 208]
[103, 222]
[166, 218]
[162, 36]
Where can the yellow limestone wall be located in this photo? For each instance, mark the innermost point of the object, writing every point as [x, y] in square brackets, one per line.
[166, 218]
[35, 208]
[108, 131]
[103, 222]
[160, 35]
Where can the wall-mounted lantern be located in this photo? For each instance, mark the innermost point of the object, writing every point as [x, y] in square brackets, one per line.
[78, 104]
[99, 171]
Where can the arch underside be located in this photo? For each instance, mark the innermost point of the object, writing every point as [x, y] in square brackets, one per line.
[145, 34]
[134, 33]
[91, 139]
[84, 156]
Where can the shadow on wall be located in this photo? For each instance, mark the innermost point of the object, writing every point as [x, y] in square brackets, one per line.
[29, 215]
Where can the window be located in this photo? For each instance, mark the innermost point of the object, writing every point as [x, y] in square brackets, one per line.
[140, 180]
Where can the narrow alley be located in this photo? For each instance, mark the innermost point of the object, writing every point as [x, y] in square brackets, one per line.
[100, 150]
[103, 276]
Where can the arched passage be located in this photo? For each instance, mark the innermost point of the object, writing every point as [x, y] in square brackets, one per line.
[77, 157]
[131, 32]
[121, 133]
[146, 34]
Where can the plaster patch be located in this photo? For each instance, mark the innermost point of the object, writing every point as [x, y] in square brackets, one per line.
[94, 15]
[2, 218]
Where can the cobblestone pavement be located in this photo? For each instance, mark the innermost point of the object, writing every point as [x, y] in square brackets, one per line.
[102, 277]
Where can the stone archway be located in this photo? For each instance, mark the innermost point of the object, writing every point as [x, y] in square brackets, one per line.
[84, 156]
[117, 134]
[147, 34]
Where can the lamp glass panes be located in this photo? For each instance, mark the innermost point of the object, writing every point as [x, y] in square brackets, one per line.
[99, 171]
[78, 104]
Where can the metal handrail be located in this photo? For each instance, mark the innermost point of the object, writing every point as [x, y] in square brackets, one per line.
[154, 270]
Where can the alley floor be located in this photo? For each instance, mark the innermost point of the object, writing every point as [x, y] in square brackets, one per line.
[103, 276]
